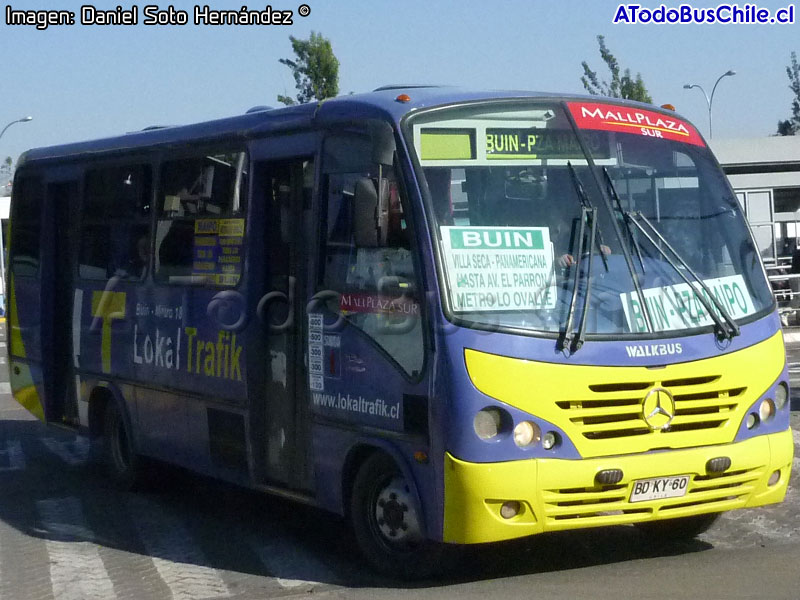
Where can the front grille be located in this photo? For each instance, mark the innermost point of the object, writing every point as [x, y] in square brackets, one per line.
[599, 503]
[614, 410]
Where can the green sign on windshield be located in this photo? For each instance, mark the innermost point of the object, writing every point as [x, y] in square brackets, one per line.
[499, 268]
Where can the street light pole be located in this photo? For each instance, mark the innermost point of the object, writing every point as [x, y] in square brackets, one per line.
[22, 120]
[709, 100]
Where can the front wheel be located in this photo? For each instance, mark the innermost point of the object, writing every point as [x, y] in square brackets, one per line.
[680, 529]
[386, 523]
[122, 463]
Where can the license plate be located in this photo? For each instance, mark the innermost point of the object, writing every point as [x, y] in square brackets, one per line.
[659, 488]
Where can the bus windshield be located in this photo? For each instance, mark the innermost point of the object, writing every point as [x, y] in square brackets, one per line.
[528, 203]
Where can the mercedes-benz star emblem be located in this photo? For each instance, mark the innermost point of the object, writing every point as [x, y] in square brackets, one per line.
[658, 409]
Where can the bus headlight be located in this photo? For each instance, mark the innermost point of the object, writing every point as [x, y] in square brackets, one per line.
[781, 395]
[766, 410]
[527, 433]
[489, 422]
[550, 440]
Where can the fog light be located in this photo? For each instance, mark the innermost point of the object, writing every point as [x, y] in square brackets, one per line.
[550, 440]
[752, 420]
[766, 409]
[527, 433]
[718, 465]
[774, 478]
[509, 509]
[608, 477]
[781, 395]
[487, 423]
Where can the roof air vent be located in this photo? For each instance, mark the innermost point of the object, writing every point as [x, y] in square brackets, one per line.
[261, 108]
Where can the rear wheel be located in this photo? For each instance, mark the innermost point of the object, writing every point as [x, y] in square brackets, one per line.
[680, 529]
[386, 524]
[122, 463]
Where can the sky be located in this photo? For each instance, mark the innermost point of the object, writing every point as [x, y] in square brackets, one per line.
[82, 82]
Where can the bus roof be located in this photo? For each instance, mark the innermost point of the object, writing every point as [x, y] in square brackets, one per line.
[381, 104]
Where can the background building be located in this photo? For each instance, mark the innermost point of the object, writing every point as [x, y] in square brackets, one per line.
[765, 173]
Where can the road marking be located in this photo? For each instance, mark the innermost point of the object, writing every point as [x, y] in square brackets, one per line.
[76, 570]
[791, 336]
[74, 452]
[287, 561]
[15, 456]
[5, 387]
[176, 557]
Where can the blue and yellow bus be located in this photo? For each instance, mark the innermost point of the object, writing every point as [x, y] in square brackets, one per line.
[453, 317]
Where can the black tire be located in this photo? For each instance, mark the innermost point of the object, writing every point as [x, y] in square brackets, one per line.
[680, 529]
[380, 489]
[122, 464]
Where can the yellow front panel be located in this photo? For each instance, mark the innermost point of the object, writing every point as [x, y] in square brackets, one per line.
[562, 494]
[600, 408]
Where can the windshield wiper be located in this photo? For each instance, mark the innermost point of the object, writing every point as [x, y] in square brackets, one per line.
[586, 203]
[569, 338]
[727, 329]
[625, 216]
[626, 253]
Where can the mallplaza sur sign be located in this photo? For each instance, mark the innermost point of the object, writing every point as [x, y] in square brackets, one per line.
[499, 268]
[625, 119]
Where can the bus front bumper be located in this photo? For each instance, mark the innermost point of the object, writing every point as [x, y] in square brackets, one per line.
[554, 495]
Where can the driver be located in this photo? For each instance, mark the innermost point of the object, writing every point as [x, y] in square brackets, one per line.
[560, 211]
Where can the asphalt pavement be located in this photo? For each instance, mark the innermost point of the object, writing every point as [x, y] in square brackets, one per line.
[65, 533]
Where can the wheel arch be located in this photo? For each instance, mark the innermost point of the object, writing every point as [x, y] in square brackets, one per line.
[103, 393]
[362, 450]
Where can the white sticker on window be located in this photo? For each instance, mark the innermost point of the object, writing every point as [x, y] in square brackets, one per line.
[315, 352]
[499, 268]
[678, 307]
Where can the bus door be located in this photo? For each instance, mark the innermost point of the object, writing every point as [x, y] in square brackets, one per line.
[282, 189]
[366, 350]
[62, 207]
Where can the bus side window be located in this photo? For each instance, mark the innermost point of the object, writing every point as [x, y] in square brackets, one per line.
[25, 229]
[115, 223]
[367, 261]
[200, 231]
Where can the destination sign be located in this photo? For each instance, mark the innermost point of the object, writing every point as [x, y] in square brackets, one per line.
[505, 143]
[499, 268]
[678, 307]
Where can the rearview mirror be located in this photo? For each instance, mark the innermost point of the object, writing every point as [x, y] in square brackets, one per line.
[370, 216]
[383, 146]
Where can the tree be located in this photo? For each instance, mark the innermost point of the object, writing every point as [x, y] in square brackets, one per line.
[792, 126]
[6, 173]
[315, 69]
[624, 86]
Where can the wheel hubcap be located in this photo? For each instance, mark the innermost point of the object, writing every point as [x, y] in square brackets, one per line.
[395, 515]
